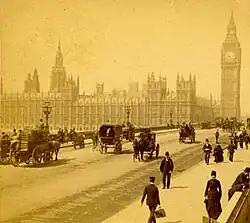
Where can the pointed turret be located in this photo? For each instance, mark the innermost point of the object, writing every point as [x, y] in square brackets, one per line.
[59, 57]
[231, 29]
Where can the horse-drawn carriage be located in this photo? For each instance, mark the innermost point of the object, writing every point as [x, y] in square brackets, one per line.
[35, 146]
[187, 132]
[110, 137]
[145, 142]
[208, 125]
[78, 139]
[128, 132]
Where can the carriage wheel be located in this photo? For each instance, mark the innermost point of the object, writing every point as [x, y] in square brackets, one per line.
[28, 160]
[14, 159]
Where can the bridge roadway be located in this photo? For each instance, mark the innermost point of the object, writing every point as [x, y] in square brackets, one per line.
[85, 186]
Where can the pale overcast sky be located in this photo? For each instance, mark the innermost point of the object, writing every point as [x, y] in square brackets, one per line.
[114, 41]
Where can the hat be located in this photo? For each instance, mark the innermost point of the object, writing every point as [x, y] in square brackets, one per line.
[166, 153]
[213, 173]
[206, 139]
[247, 170]
[151, 179]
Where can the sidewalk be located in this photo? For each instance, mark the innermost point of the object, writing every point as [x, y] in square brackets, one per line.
[184, 202]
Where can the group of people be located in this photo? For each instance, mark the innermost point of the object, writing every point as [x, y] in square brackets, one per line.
[235, 141]
[151, 191]
[213, 191]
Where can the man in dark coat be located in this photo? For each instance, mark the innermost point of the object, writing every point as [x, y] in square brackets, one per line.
[217, 134]
[241, 183]
[231, 149]
[153, 199]
[207, 148]
[167, 167]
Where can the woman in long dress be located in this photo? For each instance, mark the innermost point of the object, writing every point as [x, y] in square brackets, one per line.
[213, 195]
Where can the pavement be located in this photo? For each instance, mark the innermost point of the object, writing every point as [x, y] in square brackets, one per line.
[184, 201]
[25, 189]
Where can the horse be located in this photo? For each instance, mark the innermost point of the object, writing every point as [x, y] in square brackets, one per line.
[138, 146]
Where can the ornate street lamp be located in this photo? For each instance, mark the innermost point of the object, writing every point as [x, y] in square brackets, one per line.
[128, 111]
[47, 108]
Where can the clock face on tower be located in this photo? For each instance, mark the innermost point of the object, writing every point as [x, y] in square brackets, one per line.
[229, 57]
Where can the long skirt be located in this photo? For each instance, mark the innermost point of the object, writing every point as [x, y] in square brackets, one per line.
[214, 208]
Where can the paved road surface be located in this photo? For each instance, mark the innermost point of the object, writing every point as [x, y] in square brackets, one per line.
[83, 186]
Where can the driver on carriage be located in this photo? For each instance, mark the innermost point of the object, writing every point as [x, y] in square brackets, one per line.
[15, 139]
[41, 124]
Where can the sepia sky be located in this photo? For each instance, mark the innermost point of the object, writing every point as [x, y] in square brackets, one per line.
[121, 40]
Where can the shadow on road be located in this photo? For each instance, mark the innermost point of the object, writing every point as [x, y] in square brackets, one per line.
[60, 162]
[147, 159]
[127, 151]
[173, 221]
[179, 187]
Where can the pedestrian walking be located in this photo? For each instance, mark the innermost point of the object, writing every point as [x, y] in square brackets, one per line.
[241, 182]
[153, 198]
[207, 148]
[231, 149]
[166, 167]
[213, 195]
[218, 153]
[217, 134]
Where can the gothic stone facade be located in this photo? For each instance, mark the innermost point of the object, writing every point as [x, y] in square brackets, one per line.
[154, 106]
[88, 112]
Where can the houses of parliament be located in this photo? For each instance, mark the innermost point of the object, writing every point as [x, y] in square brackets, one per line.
[153, 105]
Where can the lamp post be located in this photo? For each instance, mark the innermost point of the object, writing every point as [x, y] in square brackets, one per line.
[47, 108]
[128, 111]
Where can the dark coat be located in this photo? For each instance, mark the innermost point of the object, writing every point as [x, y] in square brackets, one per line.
[231, 148]
[152, 193]
[166, 165]
[213, 192]
[241, 179]
[207, 148]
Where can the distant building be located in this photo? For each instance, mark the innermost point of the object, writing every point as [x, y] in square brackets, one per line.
[230, 73]
[60, 82]
[32, 84]
[133, 89]
[154, 105]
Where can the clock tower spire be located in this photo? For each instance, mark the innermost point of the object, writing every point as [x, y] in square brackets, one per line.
[230, 72]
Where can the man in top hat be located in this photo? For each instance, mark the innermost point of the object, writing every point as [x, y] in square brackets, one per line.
[241, 183]
[153, 198]
[207, 148]
[231, 149]
[166, 167]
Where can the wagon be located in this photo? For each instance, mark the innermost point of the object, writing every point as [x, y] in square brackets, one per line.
[35, 147]
[78, 139]
[110, 137]
[147, 143]
[128, 132]
[187, 133]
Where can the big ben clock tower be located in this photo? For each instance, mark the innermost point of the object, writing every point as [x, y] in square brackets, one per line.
[230, 73]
